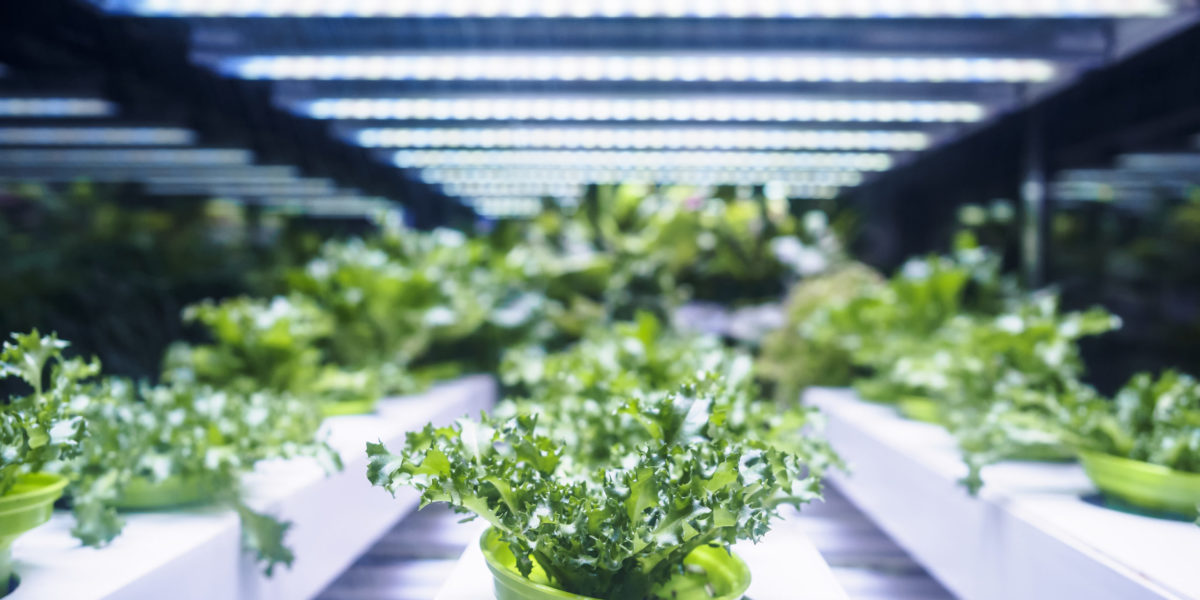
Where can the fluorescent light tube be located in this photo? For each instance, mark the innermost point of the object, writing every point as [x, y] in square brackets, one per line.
[647, 8]
[509, 66]
[665, 108]
[641, 138]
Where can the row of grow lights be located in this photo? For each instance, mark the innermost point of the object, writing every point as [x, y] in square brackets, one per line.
[165, 160]
[648, 8]
[503, 98]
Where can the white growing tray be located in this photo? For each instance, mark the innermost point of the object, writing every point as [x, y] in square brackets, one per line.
[784, 566]
[1031, 534]
[196, 553]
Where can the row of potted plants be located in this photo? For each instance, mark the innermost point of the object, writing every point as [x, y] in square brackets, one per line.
[384, 314]
[951, 341]
[109, 445]
[391, 312]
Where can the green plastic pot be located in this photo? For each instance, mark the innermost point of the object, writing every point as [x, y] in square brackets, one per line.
[921, 409]
[143, 494]
[1143, 484]
[28, 504]
[349, 407]
[728, 576]
[1050, 453]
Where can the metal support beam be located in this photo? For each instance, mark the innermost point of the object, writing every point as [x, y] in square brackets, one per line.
[1035, 203]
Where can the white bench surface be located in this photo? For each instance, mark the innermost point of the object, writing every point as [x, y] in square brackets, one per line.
[1034, 532]
[196, 553]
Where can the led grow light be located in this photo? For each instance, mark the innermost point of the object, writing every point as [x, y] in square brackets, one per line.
[330, 206]
[55, 107]
[594, 137]
[505, 206]
[665, 108]
[794, 190]
[157, 157]
[1160, 162]
[95, 136]
[164, 173]
[863, 161]
[648, 8]
[508, 66]
[295, 188]
[511, 188]
[580, 176]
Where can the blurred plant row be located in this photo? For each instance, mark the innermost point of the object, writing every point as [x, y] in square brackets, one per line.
[606, 407]
[361, 318]
[953, 341]
[111, 269]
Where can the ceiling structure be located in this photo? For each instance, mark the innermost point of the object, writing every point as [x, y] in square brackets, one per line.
[499, 103]
[53, 138]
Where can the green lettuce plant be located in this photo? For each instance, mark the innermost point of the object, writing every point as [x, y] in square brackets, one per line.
[887, 324]
[39, 428]
[614, 530]
[792, 360]
[189, 434]
[1151, 419]
[1004, 384]
[257, 345]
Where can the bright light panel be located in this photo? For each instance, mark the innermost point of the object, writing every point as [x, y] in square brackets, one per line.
[298, 188]
[511, 188]
[199, 157]
[331, 206]
[581, 176]
[573, 193]
[55, 107]
[541, 108]
[648, 8]
[95, 136]
[500, 207]
[643, 138]
[159, 173]
[504, 66]
[635, 160]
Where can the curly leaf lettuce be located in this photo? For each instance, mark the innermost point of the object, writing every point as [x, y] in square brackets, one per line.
[39, 428]
[612, 531]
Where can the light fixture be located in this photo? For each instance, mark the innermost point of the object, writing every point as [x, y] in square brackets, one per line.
[500, 207]
[579, 175]
[649, 8]
[510, 66]
[95, 136]
[55, 107]
[333, 205]
[141, 158]
[510, 188]
[635, 137]
[304, 187]
[662, 108]
[860, 161]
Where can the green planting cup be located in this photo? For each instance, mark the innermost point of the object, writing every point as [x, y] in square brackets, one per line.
[1142, 484]
[714, 568]
[921, 409]
[349, 407]
[143, 494]
[28, 504]
[1049, 453]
